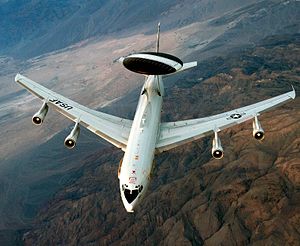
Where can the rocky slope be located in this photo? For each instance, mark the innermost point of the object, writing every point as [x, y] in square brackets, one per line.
[251, 196]
[89, 66]
[32, 28]
[34, 166]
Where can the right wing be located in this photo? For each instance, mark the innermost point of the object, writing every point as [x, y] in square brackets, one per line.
[113, 129]
[173, 134]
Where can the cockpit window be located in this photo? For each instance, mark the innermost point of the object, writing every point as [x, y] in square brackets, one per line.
[130, 195]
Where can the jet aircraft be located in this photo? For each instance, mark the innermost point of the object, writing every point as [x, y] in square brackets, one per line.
[145, 135]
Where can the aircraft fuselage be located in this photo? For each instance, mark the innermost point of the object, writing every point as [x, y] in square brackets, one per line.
[137, 163]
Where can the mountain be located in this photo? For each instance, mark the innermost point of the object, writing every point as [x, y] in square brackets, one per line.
[245, 198]
[32, 28]
[55, 196]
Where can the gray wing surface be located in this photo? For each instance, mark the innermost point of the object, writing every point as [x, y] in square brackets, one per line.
[173, 134]
[111, 128]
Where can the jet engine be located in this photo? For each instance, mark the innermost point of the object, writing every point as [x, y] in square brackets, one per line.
[217, 150]
[258, 132]
[39, 117]
[71, 139]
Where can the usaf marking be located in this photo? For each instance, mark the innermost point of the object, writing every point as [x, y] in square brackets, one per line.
[61, 104]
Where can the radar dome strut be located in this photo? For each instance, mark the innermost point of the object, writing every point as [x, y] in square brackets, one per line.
[158, 36]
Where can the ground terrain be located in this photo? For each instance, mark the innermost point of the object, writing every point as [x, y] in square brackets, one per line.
[57, 196]
[249, 197]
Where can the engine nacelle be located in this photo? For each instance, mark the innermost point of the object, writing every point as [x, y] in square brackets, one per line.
[258, 132]
[39, 117]
[217, 150]
[71, 139]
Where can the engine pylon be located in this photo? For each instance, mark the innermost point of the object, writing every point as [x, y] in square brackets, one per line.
[39, 117]
[71, 139]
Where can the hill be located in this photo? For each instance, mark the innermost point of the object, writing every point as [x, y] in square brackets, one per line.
[247, 51]
[249, 197]
[34, 28]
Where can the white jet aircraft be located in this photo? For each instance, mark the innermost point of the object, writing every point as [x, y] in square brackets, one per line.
[146, 135]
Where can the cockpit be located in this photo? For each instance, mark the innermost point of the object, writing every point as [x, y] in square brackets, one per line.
[131, 195]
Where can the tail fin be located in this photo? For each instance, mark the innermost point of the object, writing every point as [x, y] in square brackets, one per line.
[158, 36]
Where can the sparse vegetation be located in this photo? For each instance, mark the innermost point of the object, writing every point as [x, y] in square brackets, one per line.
[249, 197]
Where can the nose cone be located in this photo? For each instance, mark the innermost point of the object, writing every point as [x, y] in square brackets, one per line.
[130, 198]
[129, 206]
[129, 209]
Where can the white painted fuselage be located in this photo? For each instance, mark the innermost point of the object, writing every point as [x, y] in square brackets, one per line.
[137, 163]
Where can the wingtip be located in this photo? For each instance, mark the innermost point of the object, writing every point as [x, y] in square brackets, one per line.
[18, 76]
[293, 93]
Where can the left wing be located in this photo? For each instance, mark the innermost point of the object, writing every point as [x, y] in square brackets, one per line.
[113, 129]
[173, 134]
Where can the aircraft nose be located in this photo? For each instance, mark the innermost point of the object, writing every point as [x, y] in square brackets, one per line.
[130, 196]
[129, 208]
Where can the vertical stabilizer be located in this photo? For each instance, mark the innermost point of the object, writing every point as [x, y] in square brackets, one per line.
[158, 36]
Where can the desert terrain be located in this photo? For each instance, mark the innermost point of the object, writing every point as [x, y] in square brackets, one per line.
[246, 52]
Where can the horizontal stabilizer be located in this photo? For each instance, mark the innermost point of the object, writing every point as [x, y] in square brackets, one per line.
[187, 66]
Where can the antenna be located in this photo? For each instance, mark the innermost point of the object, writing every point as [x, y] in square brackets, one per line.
[157, 38]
